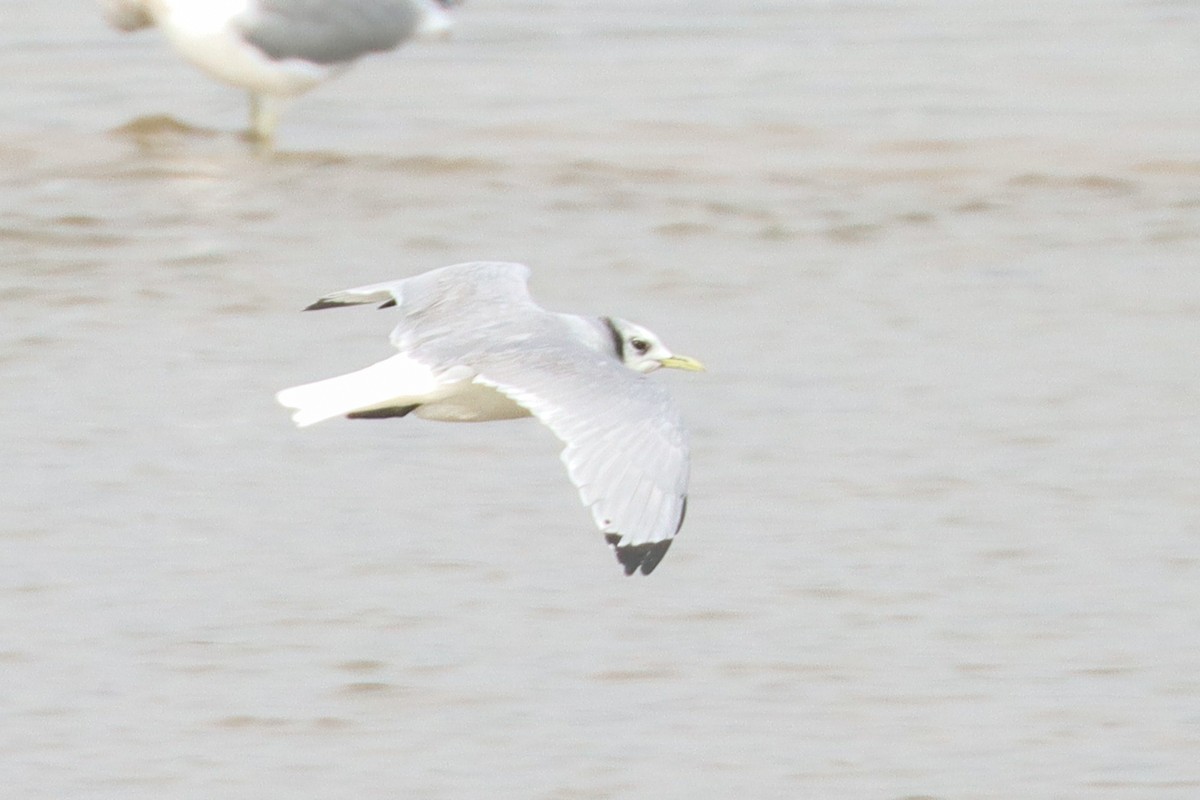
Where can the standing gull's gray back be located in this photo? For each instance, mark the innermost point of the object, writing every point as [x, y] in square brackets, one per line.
[279, 49]
[328, 31]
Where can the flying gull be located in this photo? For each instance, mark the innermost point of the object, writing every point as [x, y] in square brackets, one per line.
[277, 49]
[474, 346]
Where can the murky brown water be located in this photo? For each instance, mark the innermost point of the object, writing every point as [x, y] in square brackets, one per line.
[944, 541]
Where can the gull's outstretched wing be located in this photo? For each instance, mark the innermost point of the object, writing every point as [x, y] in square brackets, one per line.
[460, 287]
[626, 448]
[328, 31]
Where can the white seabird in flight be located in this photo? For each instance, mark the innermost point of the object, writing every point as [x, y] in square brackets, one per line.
[277, 49]
[474, 347]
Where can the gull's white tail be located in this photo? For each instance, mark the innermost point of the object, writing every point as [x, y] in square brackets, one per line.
[397, 381]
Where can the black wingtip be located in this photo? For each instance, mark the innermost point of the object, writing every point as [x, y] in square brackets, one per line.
[325, 302]
[320, 304]
[638, 557]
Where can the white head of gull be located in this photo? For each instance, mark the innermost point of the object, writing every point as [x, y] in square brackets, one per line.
[277, 49]
[474, 346]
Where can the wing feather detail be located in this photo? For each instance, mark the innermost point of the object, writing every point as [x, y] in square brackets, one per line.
[628, 459]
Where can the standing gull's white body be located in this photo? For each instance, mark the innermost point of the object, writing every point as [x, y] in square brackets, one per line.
[474, 347]
[277, 49]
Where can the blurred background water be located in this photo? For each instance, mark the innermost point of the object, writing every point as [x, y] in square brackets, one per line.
[944, 537]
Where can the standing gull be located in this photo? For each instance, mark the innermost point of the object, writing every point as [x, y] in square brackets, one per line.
[277, 49]
[474, 346]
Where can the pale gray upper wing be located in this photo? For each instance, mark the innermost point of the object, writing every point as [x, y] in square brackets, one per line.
[458, 289]
[328, 31]
[626, 448]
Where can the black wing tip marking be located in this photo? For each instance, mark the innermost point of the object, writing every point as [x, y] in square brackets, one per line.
[322, 303]
[381, 413]
[638, 557]
[644, 557]
[326, 303]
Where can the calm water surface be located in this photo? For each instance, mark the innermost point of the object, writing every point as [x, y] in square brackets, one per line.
[944, 541]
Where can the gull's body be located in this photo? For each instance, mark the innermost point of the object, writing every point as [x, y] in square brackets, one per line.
[277, 49]
[475, 347]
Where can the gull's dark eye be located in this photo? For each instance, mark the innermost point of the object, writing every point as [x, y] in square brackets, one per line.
[640, 345]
